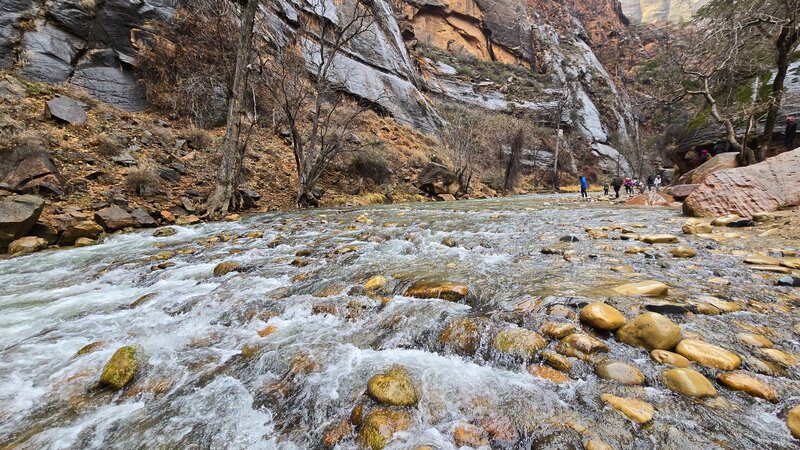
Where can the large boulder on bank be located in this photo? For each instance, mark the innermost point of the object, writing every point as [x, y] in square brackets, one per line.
[115, 218]
[699, 175]
[766, 186]
[29, 170]
[680, 191]
[27, 244]
[437, 179]
[18, 214]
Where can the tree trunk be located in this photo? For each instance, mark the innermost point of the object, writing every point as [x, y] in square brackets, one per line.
[783, 47]
[233, 148]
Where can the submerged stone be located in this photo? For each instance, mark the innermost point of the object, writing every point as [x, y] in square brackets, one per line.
[651, 331]
[740, 381]
[518, 342]
[443, 290]
[226, 267]
[647, 288]
[708, 355]
[463, 336]
[380, 426]
[121, 368]
[669, 358]
[601, 316]
[620, 372]
[639, 411]
[688, 382]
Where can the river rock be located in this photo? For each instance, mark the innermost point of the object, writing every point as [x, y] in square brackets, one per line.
[465, 434]
[754, 340]
[433, 289]
[793, 421]
[669, 358]
[114, 218]
[683, 252]
[556, 330]
[84, 242]
[602, 317]
[121, 369]
[680, 191]
[647, 288]
[651, 331]
[336, 432]
[548, 373]
[164, 232]
[18, 214]
[688, 382]
[766, 186]
[639, 411]
[584, 343]
[740, 381]
[27, 244]
[518, 342]
[650, 199]
[463, 336]
[789, 281]
[375, 283]
[381, 424]
[66, 110]
[79, 229]
[708, 355]
[620, 372]
[437, 179]
[779, 356]
[226, 267]
[143, 218]
[696, 226]
[556, 361]
[762, 260]
[393, 387]
[723, 221]
[659, 239]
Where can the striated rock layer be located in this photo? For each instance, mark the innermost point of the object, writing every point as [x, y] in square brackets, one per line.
[766, 186]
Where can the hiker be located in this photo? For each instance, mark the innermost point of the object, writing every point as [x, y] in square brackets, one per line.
[617, 183]
[584, 187]
[628, 186]
[791, 131]
[650, 182]
[605, 189]
[718, 149]
[658, 182]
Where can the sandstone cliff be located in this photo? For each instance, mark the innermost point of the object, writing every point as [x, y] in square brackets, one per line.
[648, 11]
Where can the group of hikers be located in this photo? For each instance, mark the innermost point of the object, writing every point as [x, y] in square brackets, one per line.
[631, 185]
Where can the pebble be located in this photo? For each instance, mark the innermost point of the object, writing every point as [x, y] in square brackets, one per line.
[688, 382]
[740, 381]
[620, 372]
[601, 316]
[639, 411]
[708, 355]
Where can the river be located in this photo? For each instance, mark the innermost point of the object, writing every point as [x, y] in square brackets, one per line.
[208, 379]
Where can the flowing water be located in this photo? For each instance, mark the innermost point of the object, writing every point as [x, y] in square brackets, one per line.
[208, 379]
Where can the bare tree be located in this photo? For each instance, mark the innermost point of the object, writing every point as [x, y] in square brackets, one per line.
[224, 197]
[463, 138]
[513, 166]
[303, 81]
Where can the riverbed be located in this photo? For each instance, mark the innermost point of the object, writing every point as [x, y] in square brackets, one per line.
[278, 352]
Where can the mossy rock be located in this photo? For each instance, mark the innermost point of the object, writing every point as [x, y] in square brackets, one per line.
[393, 387]
[518, 342]
[121, 368]
[381, 424]
[226, 267]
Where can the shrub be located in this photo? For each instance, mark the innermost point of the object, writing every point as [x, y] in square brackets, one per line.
[198, 138]
[108, 145]
[163, 136]
[371, 164]
[494, 178]
[143, 181]
[29, 138]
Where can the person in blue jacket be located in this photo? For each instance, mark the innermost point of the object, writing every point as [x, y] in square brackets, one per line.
[584, 187]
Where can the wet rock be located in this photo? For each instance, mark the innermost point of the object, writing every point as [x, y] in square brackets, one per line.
[683, 252]
[696, 226]
[121, 369]
[226, 267]
[793, 421]
[89, 348]
[688, 382]
[165, 232]
[789, 281]
[114, 218]
[651, 331]
[76, 230]
[602, 317]
[647, 288]
[584, 343]
[669, 358]
[393, 387]
[650, 199]
[725, 220]
[556, 361]
[754, 340]
[256, 234]
[667, 307]
[681, 191]
[704, 302]
[740, 381]
[66, 110]
[84, 242]
[708, 355]
[763, 187]
[191, 219]
[659, 239]
[762, 260]
[463, 336]
[437, 179]
[465, 434]
[547, 373]
[779, 356]
[555, 330]
[741, 223]
[18, 214]
[569, 238]
[27, 244]
[336, 432]
[444, 290]
[620, 372]
[380, 426]
[639, 411]
[518, 342]
[449, 241]
[375, 283]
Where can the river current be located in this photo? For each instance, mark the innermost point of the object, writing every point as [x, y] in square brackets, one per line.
[210, 376]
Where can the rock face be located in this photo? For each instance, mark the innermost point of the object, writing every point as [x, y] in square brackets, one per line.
[766, 186]
[18, 214]
[647, 11]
